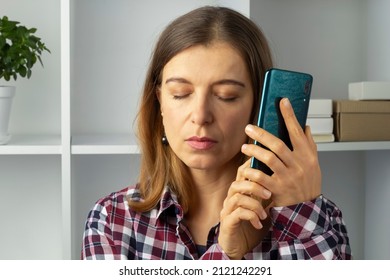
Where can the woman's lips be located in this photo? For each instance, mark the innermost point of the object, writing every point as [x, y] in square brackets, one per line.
[201, 143]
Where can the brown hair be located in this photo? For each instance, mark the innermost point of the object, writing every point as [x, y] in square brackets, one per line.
[159, 165]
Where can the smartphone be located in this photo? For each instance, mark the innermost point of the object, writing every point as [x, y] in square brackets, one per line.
[279, 83]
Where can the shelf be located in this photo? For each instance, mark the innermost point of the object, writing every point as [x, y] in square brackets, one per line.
[126, 144]
[32, 145]
[104, 144]
[354, 146]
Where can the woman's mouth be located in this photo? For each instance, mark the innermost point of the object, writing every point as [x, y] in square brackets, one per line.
[201, 143]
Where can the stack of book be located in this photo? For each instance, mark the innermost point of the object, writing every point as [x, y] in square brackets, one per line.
[320, 120]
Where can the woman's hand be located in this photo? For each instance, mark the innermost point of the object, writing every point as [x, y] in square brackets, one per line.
[243, 219]
[296, 179]
[297, 173]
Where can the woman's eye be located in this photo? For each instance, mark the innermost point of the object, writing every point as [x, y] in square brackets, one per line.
[179, 96]
[227, 98]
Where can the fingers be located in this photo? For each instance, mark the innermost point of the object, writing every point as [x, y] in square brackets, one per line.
[240, 176]
[295, 130]
[276, 157]
[267, 139]
[244, 199]
[266, 156]
[299, 139]
[241, 214]
[260, 178]
[244, 207]
[248, 188]
[310, 138]
[297, 174]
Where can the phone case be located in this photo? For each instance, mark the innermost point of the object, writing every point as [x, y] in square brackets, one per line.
[279, 83]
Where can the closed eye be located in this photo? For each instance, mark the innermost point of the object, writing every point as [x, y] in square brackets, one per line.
[180, 96]
[227, 99]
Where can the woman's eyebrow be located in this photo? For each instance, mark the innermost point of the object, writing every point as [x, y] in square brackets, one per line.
[229, 82]
[177, 80]
[219, 82]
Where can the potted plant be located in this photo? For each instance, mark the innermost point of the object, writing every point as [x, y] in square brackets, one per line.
[20, 49]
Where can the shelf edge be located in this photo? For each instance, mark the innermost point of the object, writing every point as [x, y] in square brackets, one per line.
[105, 149]
[353, 146]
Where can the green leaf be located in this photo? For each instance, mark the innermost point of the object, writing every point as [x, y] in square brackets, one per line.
[22, 71]
[19, 49]
[6, 76]
[2, 42]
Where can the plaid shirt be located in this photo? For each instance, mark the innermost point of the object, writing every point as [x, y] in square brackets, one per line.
[310, 230]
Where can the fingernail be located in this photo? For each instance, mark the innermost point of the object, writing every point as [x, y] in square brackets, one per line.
[286, 102]
[249, 128]
[267, 193]
[244, 147]
[263, 215]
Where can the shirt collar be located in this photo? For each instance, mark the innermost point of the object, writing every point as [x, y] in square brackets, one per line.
[167, 208]
[169, 205]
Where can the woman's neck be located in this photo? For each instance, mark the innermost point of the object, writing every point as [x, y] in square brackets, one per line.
[209, 190]
[215, 179]
[213, 182]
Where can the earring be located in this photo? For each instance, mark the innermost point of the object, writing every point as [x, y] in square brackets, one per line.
[164, 140]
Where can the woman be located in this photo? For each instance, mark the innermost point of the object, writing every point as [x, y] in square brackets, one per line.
[197, 197]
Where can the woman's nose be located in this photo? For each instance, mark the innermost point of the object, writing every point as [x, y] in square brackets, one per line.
[201, 111]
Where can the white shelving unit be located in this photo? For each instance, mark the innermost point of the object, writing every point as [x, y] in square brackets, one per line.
[81, 148]
[104, 144]
[33, 145]
[354, 146]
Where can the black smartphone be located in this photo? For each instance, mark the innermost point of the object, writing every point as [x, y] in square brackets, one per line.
[279, 83]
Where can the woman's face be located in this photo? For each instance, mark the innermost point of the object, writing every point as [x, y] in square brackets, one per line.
[206, 100]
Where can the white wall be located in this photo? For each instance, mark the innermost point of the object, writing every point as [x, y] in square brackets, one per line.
[324, 38]
[378, 163]
[242, 6]
[377, 244]
[378, 40]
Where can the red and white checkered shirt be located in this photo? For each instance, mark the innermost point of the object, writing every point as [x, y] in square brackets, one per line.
[310, 230]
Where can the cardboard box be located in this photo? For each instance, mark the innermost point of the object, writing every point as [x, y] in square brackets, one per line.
[361, 120]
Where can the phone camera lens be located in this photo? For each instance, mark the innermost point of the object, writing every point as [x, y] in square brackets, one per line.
[307, 87]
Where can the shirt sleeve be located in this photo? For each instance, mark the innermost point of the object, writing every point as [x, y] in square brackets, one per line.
[98, 240]
[310, 230]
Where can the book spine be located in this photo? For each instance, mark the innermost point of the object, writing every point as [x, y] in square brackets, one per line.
[320, 125]
[319, 108]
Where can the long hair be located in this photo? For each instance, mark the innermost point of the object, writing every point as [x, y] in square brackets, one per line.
[160, 166]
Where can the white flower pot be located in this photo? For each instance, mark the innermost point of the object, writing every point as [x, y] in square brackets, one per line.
[7, 94]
